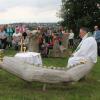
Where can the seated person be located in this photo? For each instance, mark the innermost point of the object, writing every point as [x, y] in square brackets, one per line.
[86, 52]
[47, 46]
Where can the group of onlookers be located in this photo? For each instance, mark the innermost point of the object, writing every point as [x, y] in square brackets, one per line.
[11, 36]
[47, 40]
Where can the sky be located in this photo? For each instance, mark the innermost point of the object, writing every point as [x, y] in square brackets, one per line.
[29, 11]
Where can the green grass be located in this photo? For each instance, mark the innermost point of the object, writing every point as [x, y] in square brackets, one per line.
[13, 88]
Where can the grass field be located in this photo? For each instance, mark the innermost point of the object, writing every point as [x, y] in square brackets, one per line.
[13, 88]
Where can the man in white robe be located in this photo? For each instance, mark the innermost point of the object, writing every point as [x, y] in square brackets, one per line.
[86, 53]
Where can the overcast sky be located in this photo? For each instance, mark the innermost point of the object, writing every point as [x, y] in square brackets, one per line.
[29, 10]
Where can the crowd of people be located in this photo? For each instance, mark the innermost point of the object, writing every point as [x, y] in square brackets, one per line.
[11, 36]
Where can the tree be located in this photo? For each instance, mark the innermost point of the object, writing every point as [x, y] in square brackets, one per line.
[77, 13]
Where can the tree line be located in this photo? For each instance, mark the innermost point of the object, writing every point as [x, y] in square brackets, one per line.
[78, 13]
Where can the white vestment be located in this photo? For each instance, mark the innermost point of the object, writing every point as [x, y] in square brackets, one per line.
[86, 51]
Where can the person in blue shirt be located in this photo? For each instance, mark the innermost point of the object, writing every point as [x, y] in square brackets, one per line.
[9, 31]
[97, 37]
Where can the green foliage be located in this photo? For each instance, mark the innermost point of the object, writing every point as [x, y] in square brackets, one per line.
[77, 13]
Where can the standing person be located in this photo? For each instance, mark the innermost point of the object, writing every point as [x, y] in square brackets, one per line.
[50, 43]
[40, 41]
[9, 31]
[21, 28]
[71, 39]
[65, 39]
[46, 36]
[3, 38]
[16, 39]
[97, 37]
[86, 53]
[0, 36]
[24, 34]
[60, 36]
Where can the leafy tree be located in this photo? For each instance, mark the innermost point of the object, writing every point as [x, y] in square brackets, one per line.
[77, 13]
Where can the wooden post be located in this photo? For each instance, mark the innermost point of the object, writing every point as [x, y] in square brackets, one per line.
[1, 55]
[21, 45]
[44, 87]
